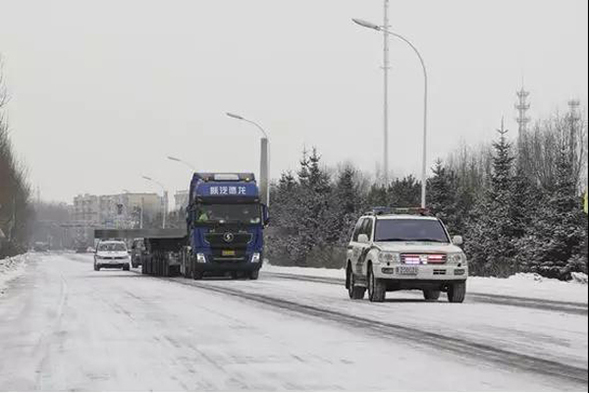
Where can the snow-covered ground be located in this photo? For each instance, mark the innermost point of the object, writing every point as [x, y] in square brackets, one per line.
[11, 268]
[521, 285]
[64, 326]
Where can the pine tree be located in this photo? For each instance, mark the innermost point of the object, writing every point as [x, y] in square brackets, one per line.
[442, 195]
[405, 192]
[492, 229]
[555, 244]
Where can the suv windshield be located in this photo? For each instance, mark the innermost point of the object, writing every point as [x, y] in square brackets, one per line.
[410, 230]
[112, 247]
[234, 213]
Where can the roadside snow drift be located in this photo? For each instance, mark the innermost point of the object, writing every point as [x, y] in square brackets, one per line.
[11, 268]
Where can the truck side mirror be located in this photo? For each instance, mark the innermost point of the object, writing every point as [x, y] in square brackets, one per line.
[363, 238]
[265, 216]
[457, 240]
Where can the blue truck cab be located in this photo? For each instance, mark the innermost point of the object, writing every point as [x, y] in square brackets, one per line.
[225, 222]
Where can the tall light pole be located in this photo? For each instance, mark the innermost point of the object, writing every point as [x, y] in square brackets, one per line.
[189, 165]
[264, 159]
[165, 199]
[424, 153]
[386, 68]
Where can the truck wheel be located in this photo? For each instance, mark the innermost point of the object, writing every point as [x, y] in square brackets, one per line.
[254, 275]
[196, 275]
[354, 292]
[96, 267]
[430, 294]
[376, 287]
[143, 268]
[126, 268]
[457, 292]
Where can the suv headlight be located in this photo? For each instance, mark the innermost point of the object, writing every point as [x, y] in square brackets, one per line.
[456, 258]
[256, 257]
[388, 257]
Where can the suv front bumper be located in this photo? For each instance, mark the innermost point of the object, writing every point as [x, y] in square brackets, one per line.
[442, 272]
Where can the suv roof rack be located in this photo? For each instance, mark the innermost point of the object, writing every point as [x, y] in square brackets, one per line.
[380, 210]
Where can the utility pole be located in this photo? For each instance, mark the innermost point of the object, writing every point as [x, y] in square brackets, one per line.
[141, 216]
[386, 67]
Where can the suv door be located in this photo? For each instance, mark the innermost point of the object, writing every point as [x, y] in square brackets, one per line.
[354, 248]
[367, 227]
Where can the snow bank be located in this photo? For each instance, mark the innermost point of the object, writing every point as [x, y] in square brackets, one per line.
[523, 285]
[10, 268]
[533, 286]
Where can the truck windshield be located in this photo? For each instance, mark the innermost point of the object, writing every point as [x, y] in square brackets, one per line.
[410, 230]
[234, 213]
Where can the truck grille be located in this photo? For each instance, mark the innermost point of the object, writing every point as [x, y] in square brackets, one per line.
[228, 240]
[423, 259]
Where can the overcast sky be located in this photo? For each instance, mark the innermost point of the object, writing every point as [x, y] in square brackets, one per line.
[102, 91]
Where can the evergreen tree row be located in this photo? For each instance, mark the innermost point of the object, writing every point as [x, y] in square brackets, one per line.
[518, 205]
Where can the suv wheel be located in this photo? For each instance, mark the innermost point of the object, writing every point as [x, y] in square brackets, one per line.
[354, 292]
[96, 267]
[126, 267]
[376, 287]
[254, 275]
[430, 294]
[457, 292]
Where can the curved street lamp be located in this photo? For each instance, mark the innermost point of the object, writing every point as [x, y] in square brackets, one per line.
[264, 159]
[373, 26]
[165, 198]
[189, 165]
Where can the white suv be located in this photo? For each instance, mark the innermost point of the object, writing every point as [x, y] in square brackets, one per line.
[112, 254]
[397, 250]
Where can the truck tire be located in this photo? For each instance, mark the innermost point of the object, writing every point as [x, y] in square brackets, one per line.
[126, 268]
[254, 275]
[431, 294]
[96, 267]
[376, 287]
[196, 275]
[457, 292]
[354, 292]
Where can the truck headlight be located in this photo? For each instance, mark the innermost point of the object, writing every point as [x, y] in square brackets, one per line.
[388, 257]
[200, 258]
[256, 257]
[456, 258]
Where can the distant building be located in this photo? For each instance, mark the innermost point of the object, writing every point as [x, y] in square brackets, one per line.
[128, 210]
[181, 200]
[86, 209]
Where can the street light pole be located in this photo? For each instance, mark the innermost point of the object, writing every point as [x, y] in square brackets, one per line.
[189, 165]
[425, 100]
[165, 199]
[386, 68]
[264, 159]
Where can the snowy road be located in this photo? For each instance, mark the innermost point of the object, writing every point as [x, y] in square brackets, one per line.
[65, 327]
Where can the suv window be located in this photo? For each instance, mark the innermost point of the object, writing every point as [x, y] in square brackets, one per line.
[367, 228]
[357, 229]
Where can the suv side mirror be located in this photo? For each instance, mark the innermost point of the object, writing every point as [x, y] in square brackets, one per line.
[265, 215]
[457, 240]
[363, 238]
